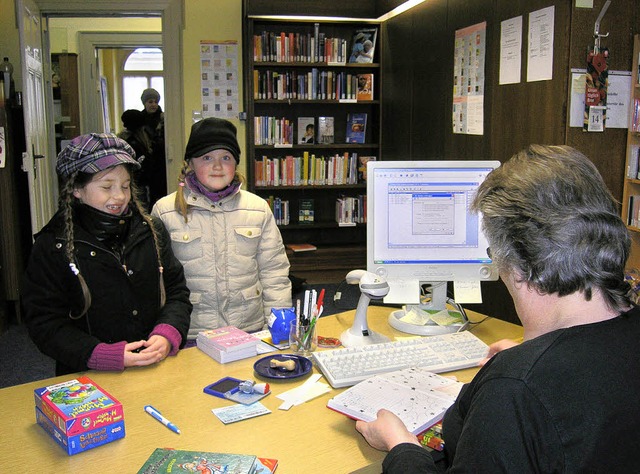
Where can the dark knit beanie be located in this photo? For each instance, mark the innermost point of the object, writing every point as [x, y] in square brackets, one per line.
[132, 119]
[150, 93]
[212, 134]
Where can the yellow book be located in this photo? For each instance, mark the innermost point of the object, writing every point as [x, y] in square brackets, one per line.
[305, 168]
[345, 167]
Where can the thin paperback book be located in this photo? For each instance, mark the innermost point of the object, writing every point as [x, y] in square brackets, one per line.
[418, 397]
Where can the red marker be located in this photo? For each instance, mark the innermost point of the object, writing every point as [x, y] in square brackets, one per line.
[320, 299]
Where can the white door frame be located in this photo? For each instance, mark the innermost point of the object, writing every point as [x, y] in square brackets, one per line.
[90, 98]
[172, 12]
[37, 160]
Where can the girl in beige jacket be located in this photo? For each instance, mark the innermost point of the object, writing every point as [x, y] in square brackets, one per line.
[225, 237]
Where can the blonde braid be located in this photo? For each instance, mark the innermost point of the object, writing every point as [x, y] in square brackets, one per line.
[64, 202]
[135, 199]
[181, 202]
[240, 178]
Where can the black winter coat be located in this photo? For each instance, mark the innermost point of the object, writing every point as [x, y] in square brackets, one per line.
[125, 299]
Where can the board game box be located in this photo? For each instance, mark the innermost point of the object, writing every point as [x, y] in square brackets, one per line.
[83, 441]
[79, 407]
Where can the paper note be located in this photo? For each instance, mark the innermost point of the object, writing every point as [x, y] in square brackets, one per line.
[403, 291]
[584, 3]
[309, 390]
[467, 292]
[234, 413]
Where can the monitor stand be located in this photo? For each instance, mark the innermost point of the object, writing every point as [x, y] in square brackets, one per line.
[436, 300]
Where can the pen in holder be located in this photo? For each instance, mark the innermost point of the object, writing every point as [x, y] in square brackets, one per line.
[302, 337]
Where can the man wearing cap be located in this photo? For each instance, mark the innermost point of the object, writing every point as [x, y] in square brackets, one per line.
[154, 176]
[226, 238]
[102, 289]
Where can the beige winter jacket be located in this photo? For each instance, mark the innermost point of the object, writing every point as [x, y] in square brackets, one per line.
[233, 257]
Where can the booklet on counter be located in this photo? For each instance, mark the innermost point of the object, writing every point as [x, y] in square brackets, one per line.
[418, 397]
[227, 344]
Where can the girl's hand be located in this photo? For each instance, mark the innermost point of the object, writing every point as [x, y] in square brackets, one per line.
[138, 354]
[158, 343]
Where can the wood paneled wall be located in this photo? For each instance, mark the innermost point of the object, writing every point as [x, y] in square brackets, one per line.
[417, 60]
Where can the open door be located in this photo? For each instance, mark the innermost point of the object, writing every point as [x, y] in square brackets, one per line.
[36, 162]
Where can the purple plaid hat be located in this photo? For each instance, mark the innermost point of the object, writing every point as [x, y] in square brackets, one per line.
[93, 153]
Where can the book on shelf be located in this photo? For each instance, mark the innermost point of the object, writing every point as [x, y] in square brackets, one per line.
[306, 130]
[280, 210]
[325, 130]
[365, 86]
[634, 210]
[305, 211]
[418, 397]
[362, 166]
[168, 460]
[301, 247]
[227, 344]
[633, 162]
[356, 127]
[363, 45]
[351, 210]
[635, 118]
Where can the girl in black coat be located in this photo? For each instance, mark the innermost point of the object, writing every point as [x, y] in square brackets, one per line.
[102, 289]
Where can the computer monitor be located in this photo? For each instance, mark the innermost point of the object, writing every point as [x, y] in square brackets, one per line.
[421, 233]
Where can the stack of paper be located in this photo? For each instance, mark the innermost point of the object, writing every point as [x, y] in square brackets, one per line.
[227, 344]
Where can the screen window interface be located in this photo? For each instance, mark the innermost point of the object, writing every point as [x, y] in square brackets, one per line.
[422, 217]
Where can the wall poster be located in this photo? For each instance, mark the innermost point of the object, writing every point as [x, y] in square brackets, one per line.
[219, 79]
[468, 80]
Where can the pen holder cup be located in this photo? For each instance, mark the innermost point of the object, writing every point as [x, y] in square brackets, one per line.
[302, 338]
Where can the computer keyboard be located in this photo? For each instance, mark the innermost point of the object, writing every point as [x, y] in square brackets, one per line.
[442, 353]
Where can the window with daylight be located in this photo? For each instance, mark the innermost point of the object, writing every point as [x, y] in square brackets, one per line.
[142, 69]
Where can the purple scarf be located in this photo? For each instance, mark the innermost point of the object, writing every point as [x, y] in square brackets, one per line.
[215, 196]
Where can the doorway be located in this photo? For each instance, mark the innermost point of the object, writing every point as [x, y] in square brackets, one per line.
[171, 14]
[91, 47]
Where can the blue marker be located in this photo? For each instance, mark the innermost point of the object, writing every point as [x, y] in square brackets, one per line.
[158, 416]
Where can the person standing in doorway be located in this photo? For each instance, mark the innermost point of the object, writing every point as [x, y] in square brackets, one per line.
[153, 128]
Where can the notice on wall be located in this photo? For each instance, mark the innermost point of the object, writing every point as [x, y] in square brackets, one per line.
[219, 79]
[618, 97]
[469, 80]
[510, 50]
[540, 51]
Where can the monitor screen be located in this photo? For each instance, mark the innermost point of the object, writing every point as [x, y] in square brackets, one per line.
[419, 227]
